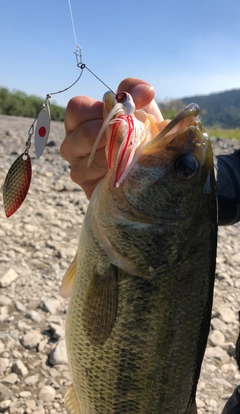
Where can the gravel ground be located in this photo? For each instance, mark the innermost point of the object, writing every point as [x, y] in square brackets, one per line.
[36, 246]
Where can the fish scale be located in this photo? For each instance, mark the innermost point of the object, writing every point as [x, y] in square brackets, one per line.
[140, 306]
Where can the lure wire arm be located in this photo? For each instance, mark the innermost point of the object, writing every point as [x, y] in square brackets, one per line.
[18, 178]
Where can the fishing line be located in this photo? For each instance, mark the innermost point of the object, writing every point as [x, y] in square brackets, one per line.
[80, 63]
[73, 26]
[18, 178]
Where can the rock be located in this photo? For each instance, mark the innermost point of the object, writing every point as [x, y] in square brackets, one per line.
[30, 228]
[34, 316]
[15, 406]
[31, 339]
[39, 410]
[237, 376]
[201, 385]
[50, 305]
[22, 326]
[223, 382]
[227, 315]
[4, 363]
[31, 404]
[31, 380]
[218, 324]
[42, 344]
[237, 283]
[16, 354]
[2, 347]
[216, 338]
[11, 378]
[4, 310]
[5, 393]
[54, 373]
[58, 331]
[230, 348]
[217, 353]
[5, 300]
[7, 278]
[47, 394]
[4, 405]
[210, 402]
[19, 306]
[25, 394]
[200, 403]
[51, 143]
[58, 355]
[19, 368]
[8, 341]
[229, 367]
[68, 252]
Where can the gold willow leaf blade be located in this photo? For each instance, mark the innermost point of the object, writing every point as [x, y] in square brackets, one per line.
[16, 184]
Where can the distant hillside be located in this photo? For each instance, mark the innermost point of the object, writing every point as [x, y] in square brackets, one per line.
[19, 104]
[217, 109]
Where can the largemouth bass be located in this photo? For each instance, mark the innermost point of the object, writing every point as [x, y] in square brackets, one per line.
[140, 306]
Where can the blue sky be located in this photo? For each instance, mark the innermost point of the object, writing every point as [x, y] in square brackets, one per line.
[181, 47]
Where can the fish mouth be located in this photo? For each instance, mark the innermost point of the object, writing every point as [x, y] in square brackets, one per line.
[186, 118]
[183, 134]
[191, 110]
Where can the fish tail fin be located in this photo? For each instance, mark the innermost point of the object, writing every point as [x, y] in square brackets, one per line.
[71, 401]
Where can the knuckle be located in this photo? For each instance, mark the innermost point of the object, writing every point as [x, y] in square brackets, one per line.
[75, 176]
[63, 149]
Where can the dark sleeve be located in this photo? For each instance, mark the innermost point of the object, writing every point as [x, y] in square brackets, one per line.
[233, 404]
[227, 173]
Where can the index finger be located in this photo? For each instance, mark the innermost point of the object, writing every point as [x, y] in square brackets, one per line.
[81, 109]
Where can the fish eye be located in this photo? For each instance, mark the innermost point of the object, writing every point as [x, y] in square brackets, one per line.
[186, 166]
[121, 97]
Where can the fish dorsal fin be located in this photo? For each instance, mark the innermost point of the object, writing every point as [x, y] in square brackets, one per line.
[68, 279]
[100, 305]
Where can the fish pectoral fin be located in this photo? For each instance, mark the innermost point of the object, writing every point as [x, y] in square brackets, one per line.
[71, 401]
[68, 279]
[100, 305]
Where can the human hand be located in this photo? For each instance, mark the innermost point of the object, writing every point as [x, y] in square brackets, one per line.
[83, 120]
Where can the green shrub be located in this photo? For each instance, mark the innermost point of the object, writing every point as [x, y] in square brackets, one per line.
[20, 104]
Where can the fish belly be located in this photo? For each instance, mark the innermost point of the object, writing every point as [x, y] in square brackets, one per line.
[150, 364]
